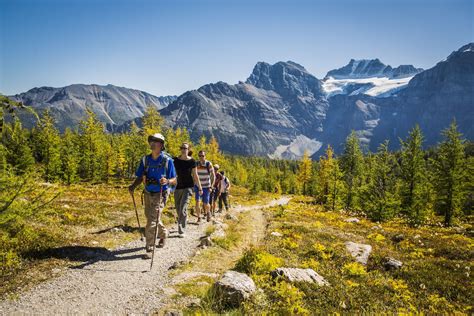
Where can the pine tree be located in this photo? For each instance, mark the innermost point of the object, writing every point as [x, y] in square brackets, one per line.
[305, 171]
[325, 170]
[69, 156]
[92, 153]
[47, 143]
[15, 140]
[415, 187]
[152, 122]
[202, 143]
[351, 163]
[379, 196]
[135, 149]
[450, 174]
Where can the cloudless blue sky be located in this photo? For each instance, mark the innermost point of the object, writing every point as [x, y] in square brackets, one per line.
[168, 47]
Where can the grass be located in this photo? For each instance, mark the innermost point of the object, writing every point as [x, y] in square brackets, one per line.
[435, 277]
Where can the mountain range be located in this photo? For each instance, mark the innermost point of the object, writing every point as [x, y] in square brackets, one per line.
[281, 110]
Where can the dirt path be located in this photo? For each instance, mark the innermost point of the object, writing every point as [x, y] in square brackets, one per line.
[115, 282]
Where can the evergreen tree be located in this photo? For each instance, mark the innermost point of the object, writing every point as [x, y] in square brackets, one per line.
[305, 171]
[135, 149]
[335, 187]
[380, 200]
[415, 188]
[152, 121]
[450, 174]
[69, 156]
[325, 171]
[92, 140]
[351, 163]
[48, 144]
[15, 140]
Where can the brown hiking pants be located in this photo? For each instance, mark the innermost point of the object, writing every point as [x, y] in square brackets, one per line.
[154, 205]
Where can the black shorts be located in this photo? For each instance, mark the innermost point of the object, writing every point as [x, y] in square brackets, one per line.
[214, 195]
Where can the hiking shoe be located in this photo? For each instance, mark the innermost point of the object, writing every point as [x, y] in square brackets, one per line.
[147, 255]
[181, 235]
[161, 243]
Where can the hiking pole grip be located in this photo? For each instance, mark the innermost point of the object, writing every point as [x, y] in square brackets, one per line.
[136, 213]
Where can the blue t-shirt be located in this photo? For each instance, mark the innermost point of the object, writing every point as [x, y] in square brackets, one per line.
[156, 170]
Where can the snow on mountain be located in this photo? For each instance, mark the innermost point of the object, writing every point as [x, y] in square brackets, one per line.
[296, 148]
[376, 87]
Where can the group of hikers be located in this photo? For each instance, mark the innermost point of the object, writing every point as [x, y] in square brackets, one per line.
[162, 174]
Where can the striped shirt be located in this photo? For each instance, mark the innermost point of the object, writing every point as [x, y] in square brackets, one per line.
[204, 174]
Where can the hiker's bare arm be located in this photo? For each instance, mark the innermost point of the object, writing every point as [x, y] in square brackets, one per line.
[136, 183]
[213, 176]
[196, 179]
[171, 181]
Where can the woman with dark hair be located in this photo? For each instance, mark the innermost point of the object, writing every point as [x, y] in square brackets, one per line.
[187, 176]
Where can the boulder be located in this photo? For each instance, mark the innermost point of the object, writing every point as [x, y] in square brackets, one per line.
[398, 238]
[206, 241]
[392, 264]
[234, 288]
[360, 252]
[352, 220]
[231, 217]
[300, 275]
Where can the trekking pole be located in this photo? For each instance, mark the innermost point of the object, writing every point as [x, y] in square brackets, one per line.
[136, 213]
[156, 227]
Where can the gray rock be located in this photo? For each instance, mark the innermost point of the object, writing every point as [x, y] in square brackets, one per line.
[392, 264]
[276, 234]
[352, 220]
[234, 288]
[231, 217]
[398, 238]
[206, 241]
[360, 252]
[300, 275]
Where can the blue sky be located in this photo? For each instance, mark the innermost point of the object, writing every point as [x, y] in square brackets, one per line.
[168, 47]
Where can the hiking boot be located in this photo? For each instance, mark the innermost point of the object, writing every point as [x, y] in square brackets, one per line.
[161, 243]
[181, 235]
[147, 254]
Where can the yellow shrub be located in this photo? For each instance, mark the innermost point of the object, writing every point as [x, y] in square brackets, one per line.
[311, 264]
[288, 243]
[354, 269]
[377, 237]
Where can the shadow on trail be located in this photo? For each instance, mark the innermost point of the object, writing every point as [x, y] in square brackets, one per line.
[86, 255]
[120, 228]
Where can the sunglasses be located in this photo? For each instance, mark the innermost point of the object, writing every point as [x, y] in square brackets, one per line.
[201, 155]
[184, 148]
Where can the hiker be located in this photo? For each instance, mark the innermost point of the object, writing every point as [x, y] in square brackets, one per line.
[157, 172]
[187, 175]
[206, 176]
[215, 190]
[224, 187]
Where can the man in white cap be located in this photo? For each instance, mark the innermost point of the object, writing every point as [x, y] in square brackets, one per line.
[157, 172]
